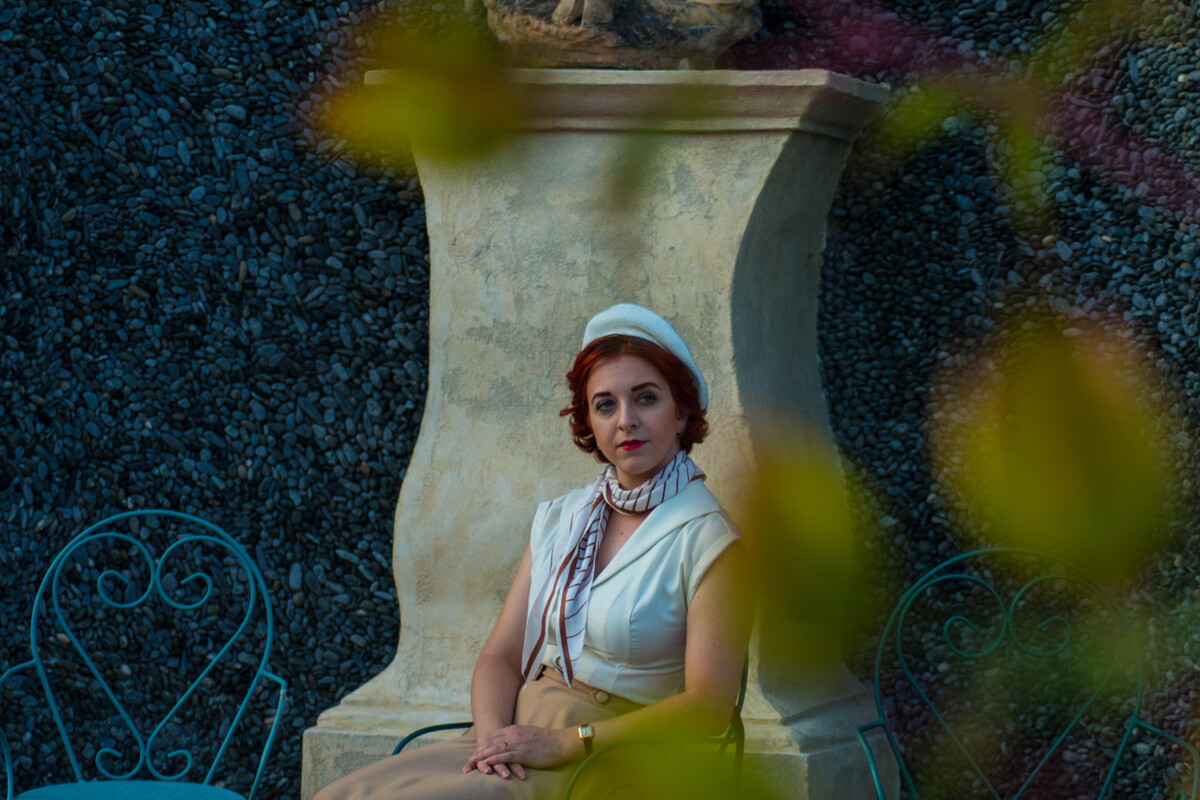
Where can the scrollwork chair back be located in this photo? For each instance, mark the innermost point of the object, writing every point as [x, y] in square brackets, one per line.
[175, 648]
[1012, 674]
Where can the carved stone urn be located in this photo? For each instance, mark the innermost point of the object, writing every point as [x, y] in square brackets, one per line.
[629, 34]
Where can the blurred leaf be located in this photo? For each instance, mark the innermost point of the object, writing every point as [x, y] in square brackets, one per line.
[918, 114]
[1057, 448]
[1024, 171]
[1021, 108]
[448, 99]
[1019, 104]
[1071, 43]
[663, 768]
[800, 534]
[630, 174]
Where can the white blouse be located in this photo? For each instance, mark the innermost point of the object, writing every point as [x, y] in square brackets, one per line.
[636, 628]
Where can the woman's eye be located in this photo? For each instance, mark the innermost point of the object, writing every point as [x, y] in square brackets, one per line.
[647, 398]
[603, 405]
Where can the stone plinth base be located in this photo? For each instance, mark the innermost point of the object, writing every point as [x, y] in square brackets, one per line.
[330, 754]
[818, 755]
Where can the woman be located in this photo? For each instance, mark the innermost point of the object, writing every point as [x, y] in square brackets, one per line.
[627, 617]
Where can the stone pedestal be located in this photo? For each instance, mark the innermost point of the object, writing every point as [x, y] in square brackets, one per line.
[702, 195]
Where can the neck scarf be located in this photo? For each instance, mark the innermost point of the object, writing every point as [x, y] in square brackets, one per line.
[564, 580]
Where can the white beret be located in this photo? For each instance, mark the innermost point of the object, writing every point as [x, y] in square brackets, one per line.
[631, 320]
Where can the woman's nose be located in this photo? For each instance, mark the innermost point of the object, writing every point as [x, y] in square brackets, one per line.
[627, 419]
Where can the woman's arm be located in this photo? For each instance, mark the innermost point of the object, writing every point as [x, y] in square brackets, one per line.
[718, 627]
[497, 677]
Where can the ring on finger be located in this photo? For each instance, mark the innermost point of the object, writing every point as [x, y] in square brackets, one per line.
[505, 746]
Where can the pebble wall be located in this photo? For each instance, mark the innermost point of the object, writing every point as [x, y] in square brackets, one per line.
[207, 305]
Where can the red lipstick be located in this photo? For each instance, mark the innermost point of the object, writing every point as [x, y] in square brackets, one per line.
[631, 444]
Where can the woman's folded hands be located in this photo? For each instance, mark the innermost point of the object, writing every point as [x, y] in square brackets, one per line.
[507, 751]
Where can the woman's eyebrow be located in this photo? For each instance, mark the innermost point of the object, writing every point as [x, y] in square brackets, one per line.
[637, 388]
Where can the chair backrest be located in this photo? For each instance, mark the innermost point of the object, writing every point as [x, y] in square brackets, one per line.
[1002, 673]
[151, 632]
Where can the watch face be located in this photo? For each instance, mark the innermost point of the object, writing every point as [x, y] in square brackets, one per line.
[585, 731]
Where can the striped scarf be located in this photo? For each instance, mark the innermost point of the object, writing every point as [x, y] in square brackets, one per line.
[564, 580]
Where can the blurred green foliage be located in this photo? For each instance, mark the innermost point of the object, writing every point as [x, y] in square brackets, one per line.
[1020, 100]
[448, 98]
[801, 535]
[666, 767]
[1054, 443]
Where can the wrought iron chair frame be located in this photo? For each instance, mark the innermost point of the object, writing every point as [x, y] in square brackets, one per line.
[734, 736]
[49, 590]
[946, 571]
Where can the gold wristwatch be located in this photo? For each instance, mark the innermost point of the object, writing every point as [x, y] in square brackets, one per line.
[586, 733]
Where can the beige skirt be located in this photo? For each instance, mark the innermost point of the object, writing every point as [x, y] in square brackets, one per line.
[434, 772]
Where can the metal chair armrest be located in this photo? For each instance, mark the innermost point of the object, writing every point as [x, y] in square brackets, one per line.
[5, 752]
[417, 734]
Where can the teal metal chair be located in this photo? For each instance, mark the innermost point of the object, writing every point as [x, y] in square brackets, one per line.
[955, 639]
[113, 625]
[734, 737]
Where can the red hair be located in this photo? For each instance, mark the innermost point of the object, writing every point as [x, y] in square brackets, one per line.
[678, 376]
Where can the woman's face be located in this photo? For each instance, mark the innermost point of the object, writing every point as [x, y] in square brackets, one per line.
[633, 416]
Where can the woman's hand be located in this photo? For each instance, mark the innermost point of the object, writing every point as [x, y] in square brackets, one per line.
[502, 770]
[518, 746]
